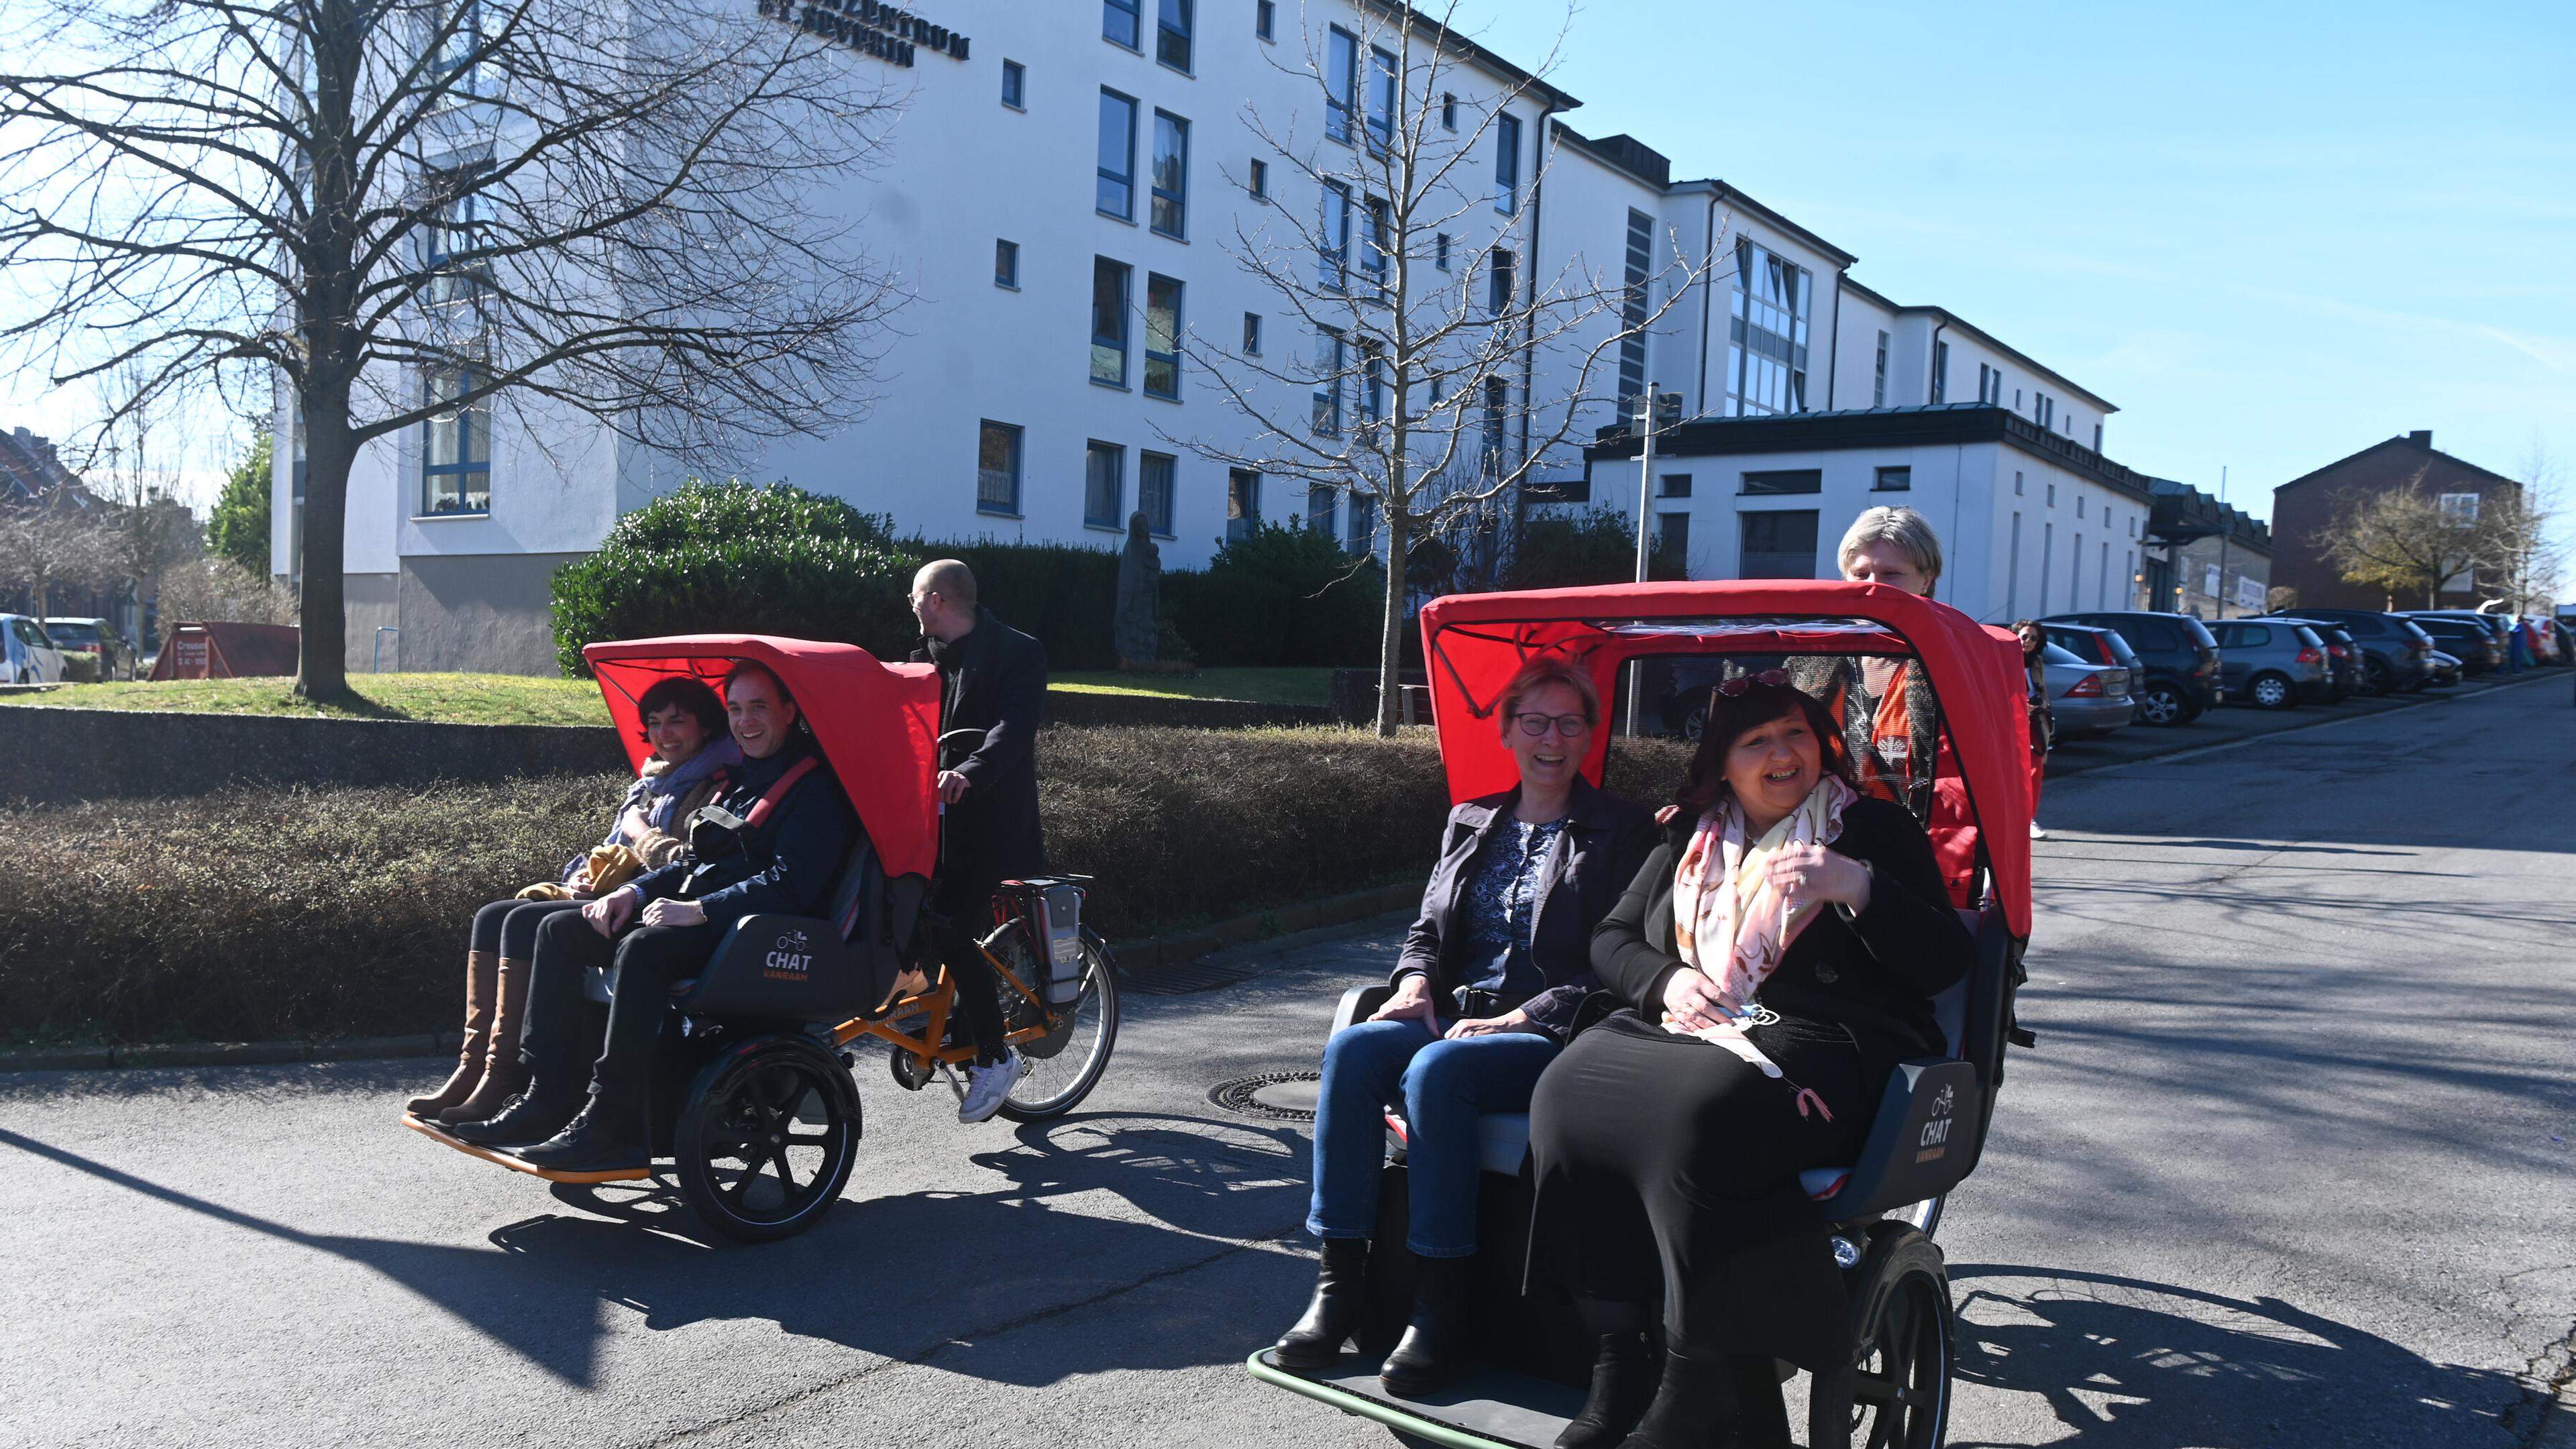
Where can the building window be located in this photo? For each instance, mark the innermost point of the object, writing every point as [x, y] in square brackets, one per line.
[1779, 545]
[1242, 503]
[1014, 85]
[1117, 195]
[1155, 485]
[1381, 101]
[1940, 372]
[1878, 383]
[2097, 437]
[1319, 509]
[1172, 34]
[1252, 334]
[1265, 20]
[456, 456]
[2102, 579]
[1331, 357]
[1259, 181]
[1894, 480]
[2045, 408]
[1333, 241]
[1632, 305]
[1498, 402]
[1784, 480]
[1990, 384]
[1372, 381]
[1440, 250]
[1375, 249]
[1162, 336]
[1498, 281]
[1675, 485]
[1109, 289]
[458, 226]
[1448, 111]
[2079, 505]
[2459, 507]
[2047, 556]
[997, 469]
[2052, 495]
[1361, 537]
[2012, 568]
[1341, 82]
[2075, 574]
[1119, 23]
[1766, 362]
[1672, 532]
[1006, 264]
[1104, 486]
[2016, 485]
[1169, 213]
[1507, 163]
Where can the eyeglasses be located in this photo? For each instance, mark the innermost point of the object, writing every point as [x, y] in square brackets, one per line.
[1567, 726]
[1733, 688]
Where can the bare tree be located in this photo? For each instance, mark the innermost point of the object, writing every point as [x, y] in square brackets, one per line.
[2405, 541]
[2528, 550]
[143, 527]
[412, 213]
[215, 588]
[54, 542]
[1445, 373]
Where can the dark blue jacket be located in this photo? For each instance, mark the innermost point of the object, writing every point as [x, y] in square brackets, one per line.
[997, 688]
[791, 858]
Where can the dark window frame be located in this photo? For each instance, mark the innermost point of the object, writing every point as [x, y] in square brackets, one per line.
[1125, 180]
[1160, 197]
[1341, 83]
[1016, 436]
[1507, 163]
[1159, 527]
[1116, 453]
[473, 443]
[1902, 473]
[1170, 359]
[1252, 334]
[1135, 23]
[1169, 39]
[1006, 264]
[1015, 85]
[1118, 337]
[1779, 482]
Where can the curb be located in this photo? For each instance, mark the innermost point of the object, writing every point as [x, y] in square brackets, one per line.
[224, 1053]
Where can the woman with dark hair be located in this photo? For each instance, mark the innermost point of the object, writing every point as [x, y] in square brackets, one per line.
[1485, 993]
[693, 759]
[1776, 957]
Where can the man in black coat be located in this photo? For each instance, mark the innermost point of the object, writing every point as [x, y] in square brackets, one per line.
[797, 832]
[993, 682]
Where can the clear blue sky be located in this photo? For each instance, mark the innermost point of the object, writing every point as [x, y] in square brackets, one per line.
[2271, 233]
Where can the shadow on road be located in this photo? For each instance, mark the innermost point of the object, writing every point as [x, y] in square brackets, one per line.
[2128, 1364]
[899, 1276]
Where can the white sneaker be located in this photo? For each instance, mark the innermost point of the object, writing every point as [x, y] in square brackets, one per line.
[987, 1086]
[2036, 833]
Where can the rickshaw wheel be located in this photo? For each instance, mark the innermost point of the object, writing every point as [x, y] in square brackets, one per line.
[768, 1138]
[1056, 1083]
[1906, 1336]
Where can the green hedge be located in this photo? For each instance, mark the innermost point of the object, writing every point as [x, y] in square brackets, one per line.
[1280, 595]
[1063, 593]
[343, 912]
[1595, 546]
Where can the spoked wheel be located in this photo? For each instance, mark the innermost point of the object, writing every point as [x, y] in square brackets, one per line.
[1066, 1064]
[1900, 1385]
[768, 1138]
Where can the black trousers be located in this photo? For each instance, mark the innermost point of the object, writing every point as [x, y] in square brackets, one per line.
[509, 928]
[964, 898]
[1665, 1162]
[561, 1019]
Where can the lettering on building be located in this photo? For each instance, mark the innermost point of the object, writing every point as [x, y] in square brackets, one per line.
[888, 32]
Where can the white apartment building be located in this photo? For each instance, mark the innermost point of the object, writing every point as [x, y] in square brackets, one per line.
[1062, 197]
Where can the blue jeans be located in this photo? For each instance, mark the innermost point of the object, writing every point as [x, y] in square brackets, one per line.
[1443, 1087]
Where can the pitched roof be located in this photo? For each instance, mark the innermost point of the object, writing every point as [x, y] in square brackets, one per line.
[2425, 447]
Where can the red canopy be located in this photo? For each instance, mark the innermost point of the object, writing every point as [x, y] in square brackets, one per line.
[878, 724]
[1474, 643]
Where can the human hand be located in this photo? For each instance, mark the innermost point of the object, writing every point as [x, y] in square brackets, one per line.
[1411, 1001]
[1808, 874]
[1512, 1020]
[670, 912]
[632, 825]
[952, 787]
[609, 914]
[1691, 1001]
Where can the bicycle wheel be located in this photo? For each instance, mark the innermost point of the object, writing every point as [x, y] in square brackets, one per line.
[1057, 1082]
[768, 1138]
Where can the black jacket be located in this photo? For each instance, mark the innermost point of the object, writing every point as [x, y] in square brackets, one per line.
[789, 860]
[999, 689]
[1599, 853]
[1875, 972]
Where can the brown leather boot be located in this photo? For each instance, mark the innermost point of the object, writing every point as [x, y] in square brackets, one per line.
[477, 1048]
[503, 1073]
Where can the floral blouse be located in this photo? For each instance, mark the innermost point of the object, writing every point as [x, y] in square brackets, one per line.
[1501, 904]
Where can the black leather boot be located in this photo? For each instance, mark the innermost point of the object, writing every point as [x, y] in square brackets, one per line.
[1433, 1350]
[1694, 1404]
[608, 1136]
[1334, 1312]
[534, 1115]
[1623, 1383]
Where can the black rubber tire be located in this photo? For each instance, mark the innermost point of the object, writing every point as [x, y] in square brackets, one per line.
[757, 1094]
[2376, 677]
[1905, 1338]
[1057, 1084]
[2272, 690]
[2165, 705]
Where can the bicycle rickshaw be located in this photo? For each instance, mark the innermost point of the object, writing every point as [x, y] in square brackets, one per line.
[753, 1102]
[1882, 1209]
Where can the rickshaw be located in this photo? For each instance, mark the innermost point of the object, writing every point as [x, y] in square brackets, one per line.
[1882, 1209]
[753, 1101]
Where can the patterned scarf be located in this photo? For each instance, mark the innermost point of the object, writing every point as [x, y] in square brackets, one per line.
[1730, 924]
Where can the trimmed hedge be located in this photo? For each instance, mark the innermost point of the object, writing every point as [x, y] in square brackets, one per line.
[1064, 594]
[322, 913]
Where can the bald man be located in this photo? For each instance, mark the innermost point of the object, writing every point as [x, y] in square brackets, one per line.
[992, 681]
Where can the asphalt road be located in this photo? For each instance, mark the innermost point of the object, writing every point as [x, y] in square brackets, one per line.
[2290, 1168]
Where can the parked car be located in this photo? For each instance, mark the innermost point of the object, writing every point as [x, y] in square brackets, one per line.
[2177, 652]
[2498, 627]
[2446, 669]
[2086, 699]
[2273, 663]
[95, 637]
[2394, 652]
[2544, 640]
[32, 657]
[2471, 642]
[2343, 657]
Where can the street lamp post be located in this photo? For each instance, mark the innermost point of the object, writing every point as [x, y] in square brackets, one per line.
[1654, 409]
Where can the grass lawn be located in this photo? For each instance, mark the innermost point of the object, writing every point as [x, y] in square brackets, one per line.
[451, 698]
[1258, 686]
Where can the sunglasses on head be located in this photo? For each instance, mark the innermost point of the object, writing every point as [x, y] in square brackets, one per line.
[1734, 688]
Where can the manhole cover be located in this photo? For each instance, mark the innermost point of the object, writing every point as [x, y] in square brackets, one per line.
[1280, 1096]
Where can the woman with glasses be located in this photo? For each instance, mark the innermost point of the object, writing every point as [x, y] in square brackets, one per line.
[1485, 992]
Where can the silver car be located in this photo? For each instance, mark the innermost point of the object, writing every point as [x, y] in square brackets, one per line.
[2273, 663]
[2087, 699]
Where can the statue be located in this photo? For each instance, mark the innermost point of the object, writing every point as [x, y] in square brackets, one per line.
[1136, 630]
